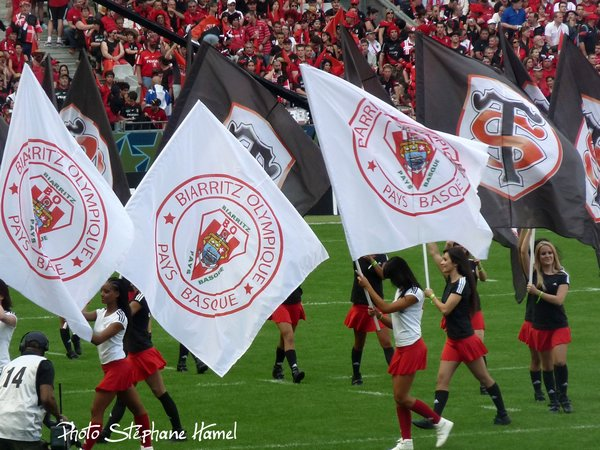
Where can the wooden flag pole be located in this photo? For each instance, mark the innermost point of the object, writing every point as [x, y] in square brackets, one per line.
[369, 301]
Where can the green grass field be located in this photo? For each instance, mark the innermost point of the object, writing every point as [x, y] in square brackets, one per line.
[325, 411]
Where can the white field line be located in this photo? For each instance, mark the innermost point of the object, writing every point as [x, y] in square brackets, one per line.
[347, 302]
[493, 431]
[373, 393]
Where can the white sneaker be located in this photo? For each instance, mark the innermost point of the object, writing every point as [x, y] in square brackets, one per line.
[442, 430]
[404, 444]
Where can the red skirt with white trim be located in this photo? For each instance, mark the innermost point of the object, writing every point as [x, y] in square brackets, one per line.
[118, 376]
[408, 359]
[145, 363]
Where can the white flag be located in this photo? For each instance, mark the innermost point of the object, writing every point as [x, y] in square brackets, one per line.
[217, 245]
[397, 183]
[63, 228]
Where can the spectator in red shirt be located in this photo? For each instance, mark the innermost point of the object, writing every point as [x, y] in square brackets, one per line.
[154, 113]
[28, 27]
[148, 60]
[7, 46]
[193, 14]
[77, 26]
[17, 60]
[258, 32]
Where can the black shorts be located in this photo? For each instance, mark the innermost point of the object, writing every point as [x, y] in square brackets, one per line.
[57, 12]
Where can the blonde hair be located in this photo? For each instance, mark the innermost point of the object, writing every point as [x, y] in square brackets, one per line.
[537, 265]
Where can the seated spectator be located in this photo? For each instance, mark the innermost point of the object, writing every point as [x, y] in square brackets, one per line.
[18, 60]
[112, 51]
[60, 93]
[77, 25]
[155, 114]
[157, 91]
[132, 111]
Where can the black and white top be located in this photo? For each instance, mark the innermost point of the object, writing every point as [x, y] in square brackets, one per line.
[407, 323]
[547, 316]
[458, 322]
[111, 349]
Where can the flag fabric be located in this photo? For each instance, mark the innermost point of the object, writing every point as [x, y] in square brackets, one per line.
[575, 109]
[357, 70]
[332, 26]
[48, 81]
[85, 117]
[533, 178]
[217, 246]
[3, 136]
[397, 183]
[507, 237]
[64, 230]
[258, 121]
[515, 71]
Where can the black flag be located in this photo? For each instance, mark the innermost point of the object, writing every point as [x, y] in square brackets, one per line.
[85, 117]
[575, 109]
[48, 82]
[533, 178]
[515, 71]
[357, 70]
[259, 122]
[3, 135]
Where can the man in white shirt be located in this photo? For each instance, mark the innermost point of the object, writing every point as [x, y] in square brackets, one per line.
[555, 29]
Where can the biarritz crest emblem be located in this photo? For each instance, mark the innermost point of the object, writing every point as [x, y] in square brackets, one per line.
[411, 168]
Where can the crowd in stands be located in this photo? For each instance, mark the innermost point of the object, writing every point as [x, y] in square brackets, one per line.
[271, 38]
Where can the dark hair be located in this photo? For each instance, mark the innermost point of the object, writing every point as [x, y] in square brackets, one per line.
[5, 293]
[400, 274]
[122, 287]
[459, 257]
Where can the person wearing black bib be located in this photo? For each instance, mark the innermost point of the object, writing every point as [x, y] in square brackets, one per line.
[550, 333]
[457, 305]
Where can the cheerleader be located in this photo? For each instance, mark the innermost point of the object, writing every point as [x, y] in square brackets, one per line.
[550, 333]
[458, 303]
[358, 318]
[405, 314]
[110, 324]
[147, 363]
[286, 317]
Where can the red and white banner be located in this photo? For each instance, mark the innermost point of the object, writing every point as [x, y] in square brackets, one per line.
[64, 230]
[217, 245]
[397, 183]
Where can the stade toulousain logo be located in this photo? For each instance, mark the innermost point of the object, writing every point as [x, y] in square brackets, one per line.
[54, 216]
[588, 145]
[203, 225]
[258, 137]
[88, 136]
[410, 168]
[524, 150]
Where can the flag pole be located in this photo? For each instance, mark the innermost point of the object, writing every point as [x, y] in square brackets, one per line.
[425, 264]
[531, 254]
[369, 301]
